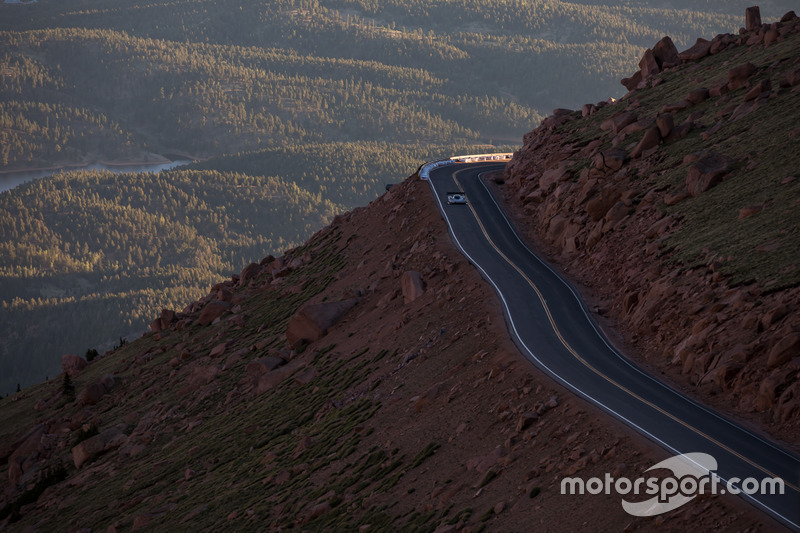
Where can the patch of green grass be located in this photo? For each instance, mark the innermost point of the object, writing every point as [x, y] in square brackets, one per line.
[426, 452]
[487, 478]
[462, 516]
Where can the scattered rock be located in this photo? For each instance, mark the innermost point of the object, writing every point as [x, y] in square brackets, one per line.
[632, 82]
[701, 49]
[738, 76]
[92, 394]
[749, 211]
[708, 172]
[790, 79]
[600, 204]
[263, 365]
[212, 311]
[770, 37]
[718, 89]
[665, 122]
[93, 446]
[677, 197]
[784, 350]
[651, 139]
[759, 89]
[249, 272]
[610, 160]
[616, 123]
[312, 321]
[412, 287]
[25, 447]
[773, 316]
[218, 350]
[697, 96]
[202, 375]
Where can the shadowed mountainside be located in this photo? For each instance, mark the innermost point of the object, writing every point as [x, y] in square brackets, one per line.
[408, 408]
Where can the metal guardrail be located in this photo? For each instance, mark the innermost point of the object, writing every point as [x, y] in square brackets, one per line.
[427, 168]
[481, 157]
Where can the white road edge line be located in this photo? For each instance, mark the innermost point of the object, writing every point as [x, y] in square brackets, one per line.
[558, 377]
[620, 356]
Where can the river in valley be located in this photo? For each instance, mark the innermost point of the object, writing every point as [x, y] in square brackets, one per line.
[9, 180]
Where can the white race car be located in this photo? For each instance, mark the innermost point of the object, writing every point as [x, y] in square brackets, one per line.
[456, 198]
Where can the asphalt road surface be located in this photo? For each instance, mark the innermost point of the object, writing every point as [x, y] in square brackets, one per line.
[553, 328]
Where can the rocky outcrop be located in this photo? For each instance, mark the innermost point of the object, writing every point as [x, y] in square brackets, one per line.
[752, 19]
[664, 55]
[611, 218]
[25, 453]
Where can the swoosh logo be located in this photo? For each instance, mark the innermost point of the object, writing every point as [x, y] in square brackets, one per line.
[695, 464]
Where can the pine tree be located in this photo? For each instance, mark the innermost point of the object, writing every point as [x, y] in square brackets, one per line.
[68, 388]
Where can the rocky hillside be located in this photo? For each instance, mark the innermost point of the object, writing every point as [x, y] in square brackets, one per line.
[362, 382]
[677, 208]
[365, 381]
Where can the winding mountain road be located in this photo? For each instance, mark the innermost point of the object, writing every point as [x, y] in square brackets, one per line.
[552, 327]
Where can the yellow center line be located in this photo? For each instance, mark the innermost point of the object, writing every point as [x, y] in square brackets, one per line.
[587, 364]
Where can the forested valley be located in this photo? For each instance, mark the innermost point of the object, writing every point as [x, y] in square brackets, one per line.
[294, 110]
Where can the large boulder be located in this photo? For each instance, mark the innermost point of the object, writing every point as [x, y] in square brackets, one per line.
[651, 139]
[601, 203]
[648, 64]
[93, 446]
[411, 284]
[249, 272]
[632, 82]
[666, 54]
[784, 350]
[212, 311]
[701, 49]
[72, 364]
[200, 376]
[697, 96]
[619, 121]
[312, 321]
[26, 447]
[610, 160]
[665, 122]
[164, 321]
[258, 367]
[790, 79]
[92, 394]
[739, 75]
[707, 172]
